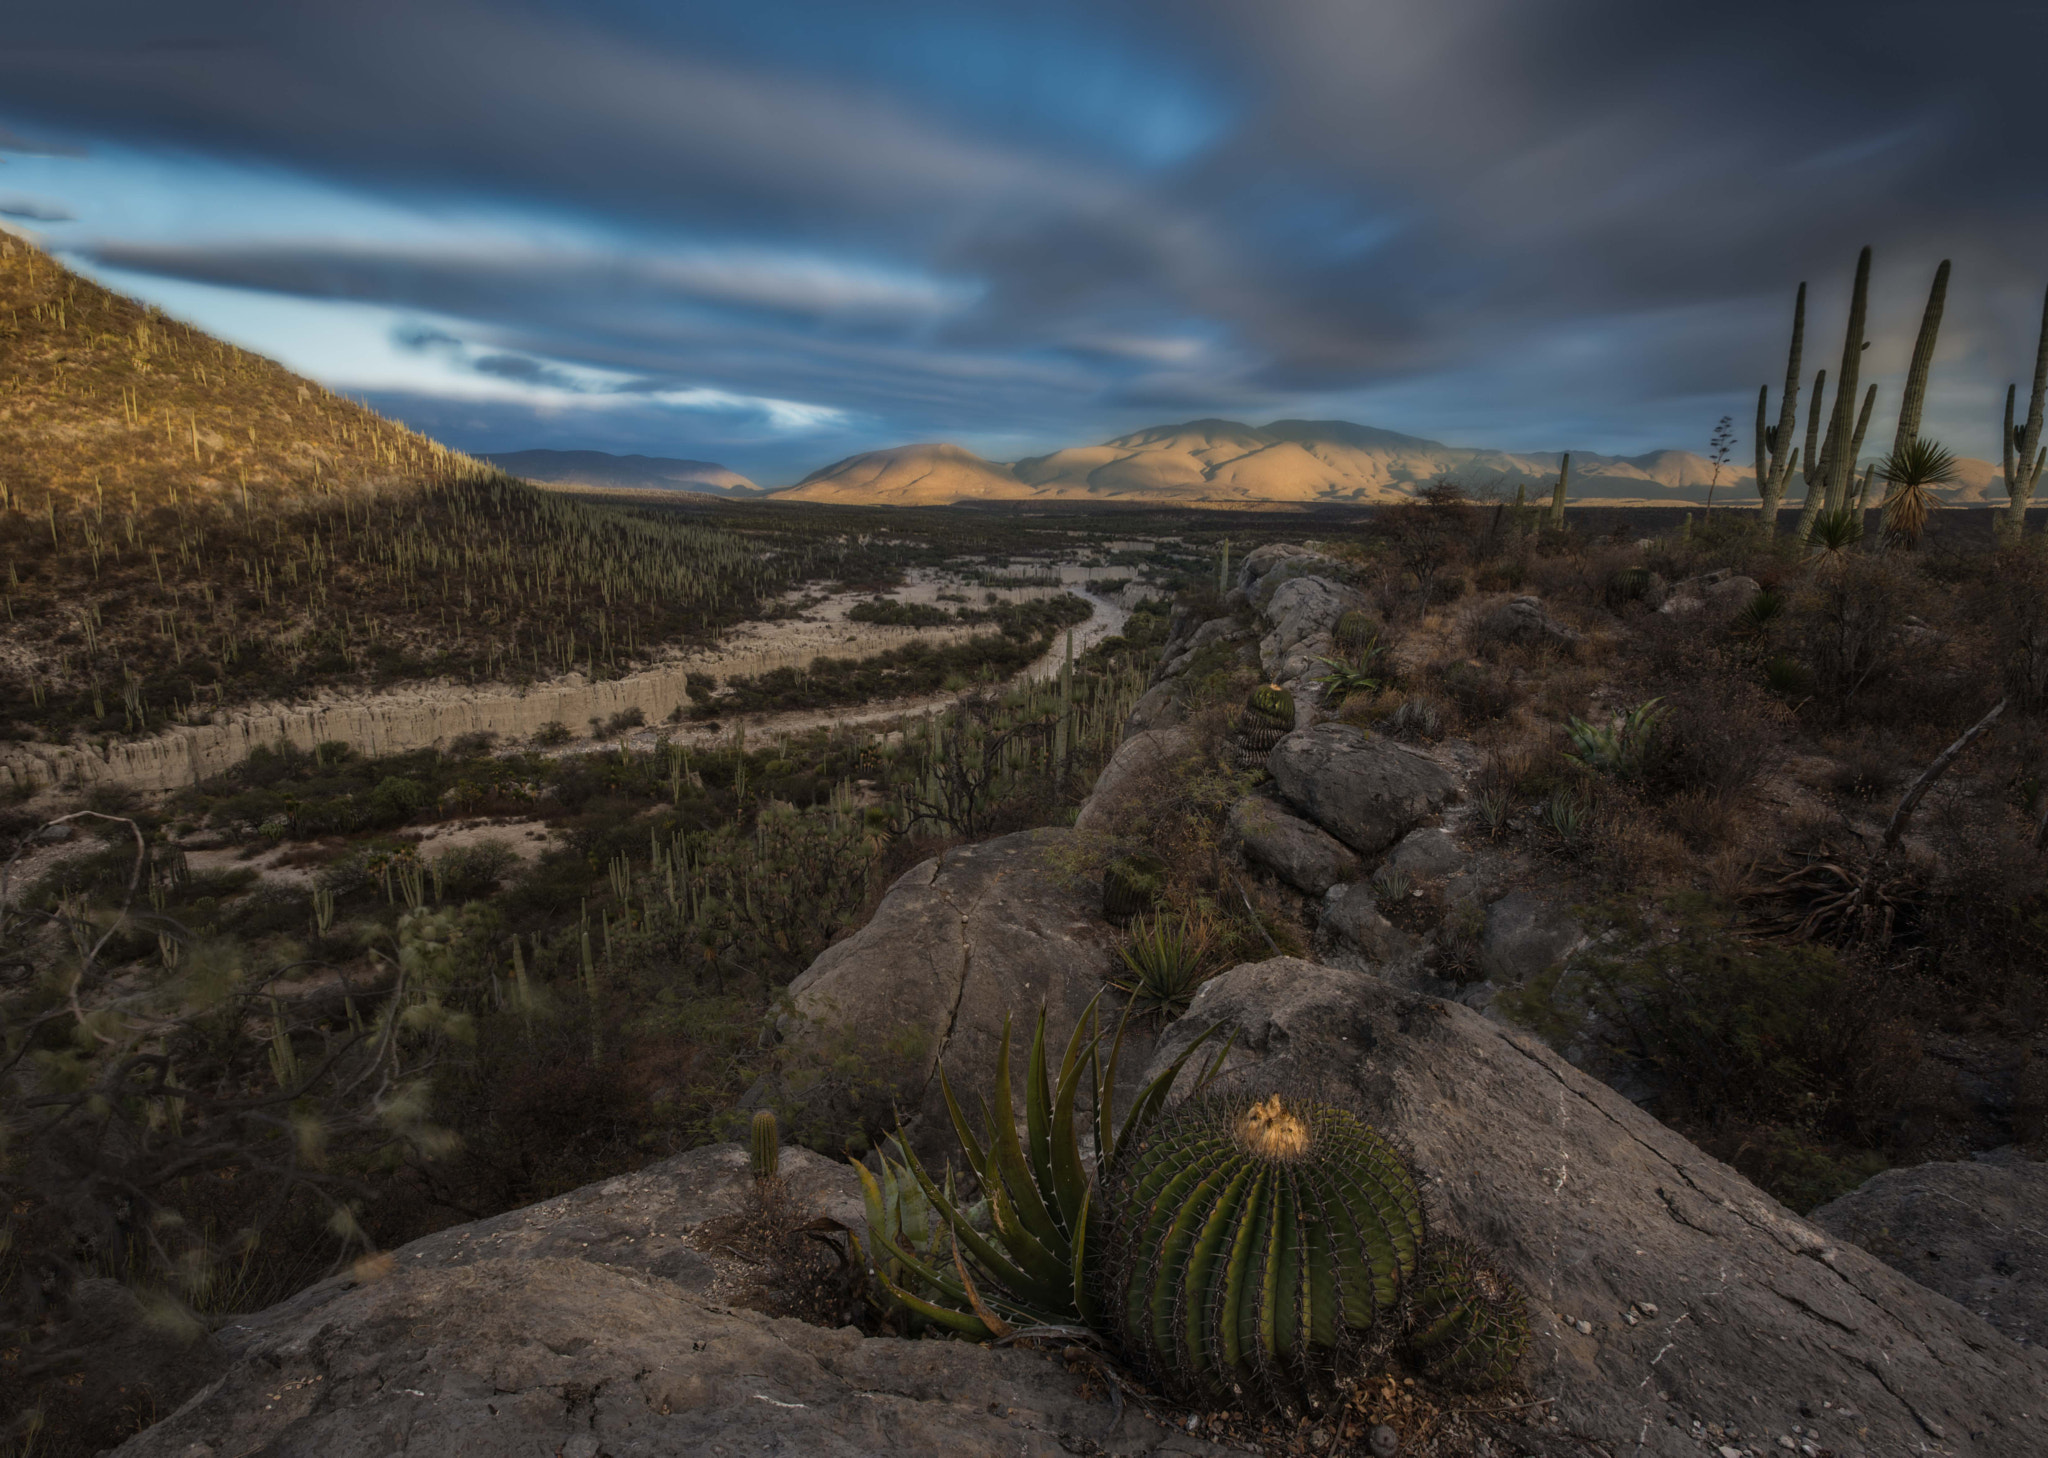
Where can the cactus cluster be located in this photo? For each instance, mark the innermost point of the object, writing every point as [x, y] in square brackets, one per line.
[1240, 1247]
[765, 1153]
[1268, 717]
[1258, 1246]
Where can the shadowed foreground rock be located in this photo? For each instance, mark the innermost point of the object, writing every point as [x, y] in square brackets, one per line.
[1976, 1231]
[589, 1325]
[1663, 1287]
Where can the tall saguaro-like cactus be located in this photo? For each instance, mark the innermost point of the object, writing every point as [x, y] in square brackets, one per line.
[1776, 456]
[1829, 471]
[2024, 454]
[1916, 384]
[1564, 476]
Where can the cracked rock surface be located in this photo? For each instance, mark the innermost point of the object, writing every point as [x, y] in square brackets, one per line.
[1663, 1287]
[1000, 927]
[586, 1326]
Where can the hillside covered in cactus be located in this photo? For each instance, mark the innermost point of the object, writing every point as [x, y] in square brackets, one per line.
[188, 526]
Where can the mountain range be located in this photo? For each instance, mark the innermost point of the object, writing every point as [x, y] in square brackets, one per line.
[600, 471]
[1224, 463]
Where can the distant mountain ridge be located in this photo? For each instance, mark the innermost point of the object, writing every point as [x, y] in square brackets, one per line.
[1222, 463]
[600, 470]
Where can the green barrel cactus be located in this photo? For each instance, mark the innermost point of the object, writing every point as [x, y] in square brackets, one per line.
[1355, 630]
[766, 1145]
[1268, 717]
[1468, 1326]
[1131, 885]
[1258, 1247]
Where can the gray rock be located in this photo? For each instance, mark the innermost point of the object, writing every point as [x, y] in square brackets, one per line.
[1368, 792]
[1720, 592]
[1002, 927]
[1126, 780]
[593, 1325]
[1304, 613]
[1524, 620]
[1307, 858]
[1351, 914]
[1266, 568]
[1745, 1315]
[1975, 1232]
[1427, 854]
[1525, 936]
[1160, 707]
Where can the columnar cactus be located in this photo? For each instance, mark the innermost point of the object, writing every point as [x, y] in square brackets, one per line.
[1829, 463]
[1916, 386]
[2024, 454]
[1564, 476]
[1256, 1245]
[1776, 456]
[766, 1152]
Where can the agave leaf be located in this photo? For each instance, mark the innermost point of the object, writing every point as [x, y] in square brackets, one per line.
[977, 1160]
[1084, 1285]
[1006, 1155]
[989, 1319]
[1153, 1099]
[1048, 1263]
[1027, 1286]
[965, 1323]
[1069, 1179]
[1038, 1115]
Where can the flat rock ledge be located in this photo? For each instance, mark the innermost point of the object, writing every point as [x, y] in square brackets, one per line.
[589, 1327]
[1665, 1290]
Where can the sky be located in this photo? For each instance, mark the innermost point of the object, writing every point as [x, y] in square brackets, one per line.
[772, 233]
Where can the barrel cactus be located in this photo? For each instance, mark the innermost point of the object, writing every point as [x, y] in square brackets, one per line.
[1468, 1326]
[1258, 1247]
[1131, 885]
[1355, 631]
[1267, 718]
[766, 1139]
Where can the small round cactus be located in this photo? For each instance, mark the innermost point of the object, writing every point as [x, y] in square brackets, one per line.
[1258, 1245]
[767, 1145]
[1468, 1327]
[1131, 885]
[1355, 629]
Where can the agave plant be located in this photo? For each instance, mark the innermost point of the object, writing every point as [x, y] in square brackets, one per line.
[1342, 680]
[1913, 471]
[1621, 747]
[1021, 1256]
[1163, 962]
[1834, 533]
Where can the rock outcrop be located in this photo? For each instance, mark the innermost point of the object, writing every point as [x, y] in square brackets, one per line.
[1666, 1292]
[1305, 857]
[606, 1323]
[1121, 787]
[960, 942]
[1975, 1231]
[1366, 791]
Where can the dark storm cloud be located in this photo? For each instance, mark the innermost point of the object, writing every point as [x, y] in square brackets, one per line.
[1060, 218]
[31, 211]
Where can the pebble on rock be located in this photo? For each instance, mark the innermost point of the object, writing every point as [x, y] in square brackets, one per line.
[1384, 1442]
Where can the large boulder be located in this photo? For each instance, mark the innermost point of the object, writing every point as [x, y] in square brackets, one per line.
[1351, 916]
[605, 1322]
[979, 934]
[1665, 1292]
[1307, 858]
[1972, 1231]
[1304, 613]
[1720, 593]
[1121, 787]
[1524, 620]
[1366, 791]
[1266, 568]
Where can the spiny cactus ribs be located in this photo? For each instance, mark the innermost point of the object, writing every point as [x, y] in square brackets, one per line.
[1257, 1245]
[1355, 629]
[1467, 1327]
[1131, 885]
[766, 1151]
[1268, 717]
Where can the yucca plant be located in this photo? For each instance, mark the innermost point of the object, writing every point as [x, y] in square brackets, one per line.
[1164, 962]
[1913, 471]
[1834, 533]
[1757, 615]
[1621, 747]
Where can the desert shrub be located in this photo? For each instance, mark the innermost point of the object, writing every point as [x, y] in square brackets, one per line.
[896, 614]
[1713, 738]
[472, 746]
[552, 734]
[619, 723]
[396, 800]
[474, 870]
[1418, 718]
[1479, 692]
